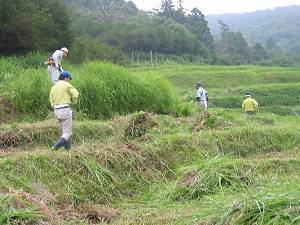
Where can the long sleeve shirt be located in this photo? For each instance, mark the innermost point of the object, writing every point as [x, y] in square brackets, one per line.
[201, 94]
[250, 105]
[63, 93]
[57, 58]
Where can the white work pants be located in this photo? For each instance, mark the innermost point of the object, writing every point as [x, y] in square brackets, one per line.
[53, 73]
[64, 117]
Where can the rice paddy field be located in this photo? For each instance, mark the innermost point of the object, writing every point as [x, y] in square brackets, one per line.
[157, 160]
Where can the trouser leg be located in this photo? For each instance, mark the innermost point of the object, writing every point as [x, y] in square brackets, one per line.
[66, 127]
[65, 121]
[68, 144]
[53, 74]
[203, 104]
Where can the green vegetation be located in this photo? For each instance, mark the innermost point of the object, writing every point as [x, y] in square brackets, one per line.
[106, 90]
[273, 87]
[274, 29]
[152, 167]
[117, 31]
[157, 176]
[37, 26]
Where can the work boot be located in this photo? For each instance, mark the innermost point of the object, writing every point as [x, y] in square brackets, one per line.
[68, 144]
[61, 142]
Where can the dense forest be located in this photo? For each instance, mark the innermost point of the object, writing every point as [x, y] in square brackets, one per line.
[119, 32]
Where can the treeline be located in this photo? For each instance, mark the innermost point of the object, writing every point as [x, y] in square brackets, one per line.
[30, 25]
[118, 31]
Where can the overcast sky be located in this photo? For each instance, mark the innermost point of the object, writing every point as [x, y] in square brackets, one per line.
[221, 6]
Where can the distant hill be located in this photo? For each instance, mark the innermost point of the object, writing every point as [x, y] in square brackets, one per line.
[280, 24]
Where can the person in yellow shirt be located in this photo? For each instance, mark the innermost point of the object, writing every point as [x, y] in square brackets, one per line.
[250, 106]
[62, 95]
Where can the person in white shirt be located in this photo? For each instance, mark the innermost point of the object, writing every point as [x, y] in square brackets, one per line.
[201, 96]
[54, 64]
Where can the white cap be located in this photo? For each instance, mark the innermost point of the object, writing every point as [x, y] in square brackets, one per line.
[65, 50]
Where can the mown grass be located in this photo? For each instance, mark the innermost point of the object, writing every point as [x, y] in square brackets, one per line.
[180, 165]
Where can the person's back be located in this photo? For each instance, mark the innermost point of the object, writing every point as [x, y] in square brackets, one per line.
[250, 105]
[201, 95]
[63, 93]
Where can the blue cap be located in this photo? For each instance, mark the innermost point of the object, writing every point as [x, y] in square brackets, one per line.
[66, 74]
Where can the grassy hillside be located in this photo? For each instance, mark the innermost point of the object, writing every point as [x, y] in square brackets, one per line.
[212, 167]
[279, 24]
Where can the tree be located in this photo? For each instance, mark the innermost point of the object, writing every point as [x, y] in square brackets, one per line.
[224, 36]
[167, 9]
[232, 46]
[19, 26]
[56, 31]
[29, 25]
[258, 52]
[197, 25]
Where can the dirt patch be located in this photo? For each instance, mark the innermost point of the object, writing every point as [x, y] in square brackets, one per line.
[139, 125]
[7, 111]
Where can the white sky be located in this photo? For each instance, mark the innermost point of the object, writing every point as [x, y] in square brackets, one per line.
[221, 6]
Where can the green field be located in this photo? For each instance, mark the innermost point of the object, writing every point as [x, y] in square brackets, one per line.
[168, 165]
[274, 88]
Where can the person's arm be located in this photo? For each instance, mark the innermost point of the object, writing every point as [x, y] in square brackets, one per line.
[74, 94]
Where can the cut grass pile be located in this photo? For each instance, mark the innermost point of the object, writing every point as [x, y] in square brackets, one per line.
[212, 175]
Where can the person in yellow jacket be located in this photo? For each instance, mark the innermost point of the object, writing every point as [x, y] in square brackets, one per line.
[62, 95]
[250, 105]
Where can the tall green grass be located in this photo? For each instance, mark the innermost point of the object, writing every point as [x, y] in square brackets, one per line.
[108, 90]
[105, 90]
